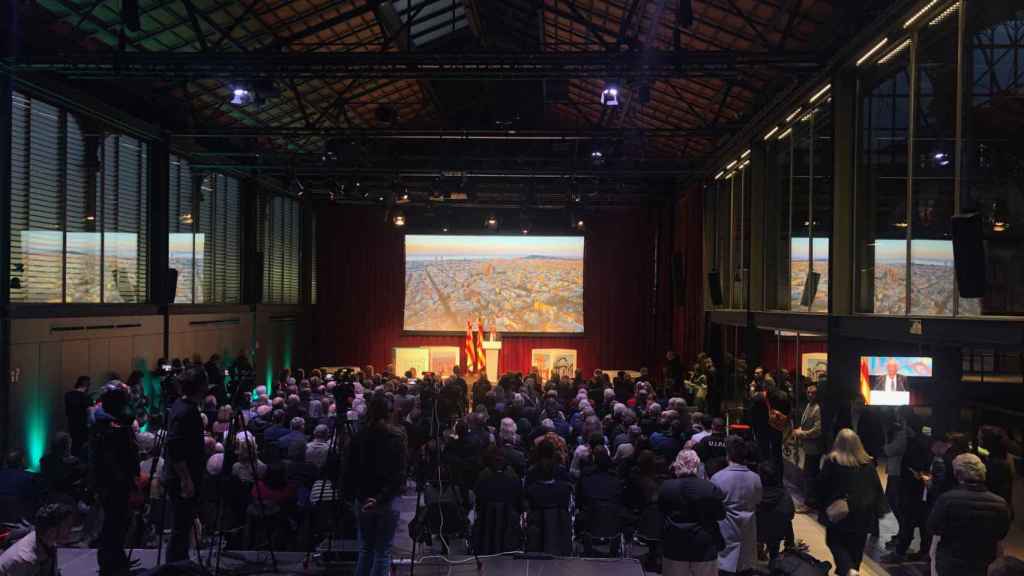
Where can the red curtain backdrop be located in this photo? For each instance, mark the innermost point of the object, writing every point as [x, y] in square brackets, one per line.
[361, 267]
[688, 322]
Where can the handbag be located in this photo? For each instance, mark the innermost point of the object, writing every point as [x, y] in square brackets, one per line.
[777, 420]
[838, 510]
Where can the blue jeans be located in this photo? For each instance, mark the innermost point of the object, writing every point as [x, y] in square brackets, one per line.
[376, 535]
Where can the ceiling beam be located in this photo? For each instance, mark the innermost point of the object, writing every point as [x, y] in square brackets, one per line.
[433, 65]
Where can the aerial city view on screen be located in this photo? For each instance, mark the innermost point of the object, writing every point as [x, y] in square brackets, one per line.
[932, 281]
[520, 284]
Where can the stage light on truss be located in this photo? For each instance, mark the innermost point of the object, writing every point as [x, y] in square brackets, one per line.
[241, 96]
[610, 95]
[491, 222]
[597, 157]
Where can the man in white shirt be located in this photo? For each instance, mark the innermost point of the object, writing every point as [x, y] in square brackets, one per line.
[36, 553]
[892, 380]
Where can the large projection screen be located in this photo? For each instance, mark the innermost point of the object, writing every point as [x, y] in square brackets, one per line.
[513, 283]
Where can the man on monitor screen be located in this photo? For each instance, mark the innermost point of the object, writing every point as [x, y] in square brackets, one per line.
[891, 381]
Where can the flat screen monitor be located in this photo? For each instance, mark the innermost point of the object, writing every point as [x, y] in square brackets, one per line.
[510, 283]
[888, 380]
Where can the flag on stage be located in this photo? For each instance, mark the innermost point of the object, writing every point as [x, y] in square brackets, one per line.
[481, 354]
[470, 348]
[865, 381]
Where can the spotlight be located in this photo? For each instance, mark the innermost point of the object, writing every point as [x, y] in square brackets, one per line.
[444, 228]
[597, 158]
[610, 95]
[398, 218]
[577, 222]
[241, 96]
[492, 221]
[524, 223]
[999, 219]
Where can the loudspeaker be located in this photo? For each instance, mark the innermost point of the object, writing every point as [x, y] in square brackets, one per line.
[810, 289]
[556, 90]
[172, 285]
[969, 255]
[715, 287]
[678, 278]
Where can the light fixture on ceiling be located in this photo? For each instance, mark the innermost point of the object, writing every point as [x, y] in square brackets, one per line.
[719, 175]
[398, 218]
[872, 51]
[577, 222]
[998, 219]
[917, 15]
[597, 158]
[824, 90]
[771, 133]
[491, 222]
[610, 95]
[241, 96]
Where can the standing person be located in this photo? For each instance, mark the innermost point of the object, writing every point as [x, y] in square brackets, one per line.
[742, 489]
[894, 450]
[76, 408]
[712, 448]
[999, 475]
[376, 475]
[848, 479]
[186, 459]
[114, 462]
[967, 522]
[914, 468]
[809, 435]
[692, 508]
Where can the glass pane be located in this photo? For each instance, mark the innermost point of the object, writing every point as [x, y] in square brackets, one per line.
[991, 167]
[777, 225]
[83, 242]
[932, 278]
[881, 189]
[122, 219]
[821, 196]
[800, 214]
[180, 222]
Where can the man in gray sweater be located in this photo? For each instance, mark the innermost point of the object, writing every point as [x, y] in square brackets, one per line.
[809, 435]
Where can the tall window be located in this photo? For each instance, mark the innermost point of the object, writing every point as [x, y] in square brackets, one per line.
[205, 236]
[282, 234]
[993, 162]
[79, 210]
[882, 217]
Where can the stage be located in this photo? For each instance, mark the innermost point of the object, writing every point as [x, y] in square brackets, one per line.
[82, 562]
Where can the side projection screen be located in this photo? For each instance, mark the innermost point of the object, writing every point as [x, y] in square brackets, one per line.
[513, 283]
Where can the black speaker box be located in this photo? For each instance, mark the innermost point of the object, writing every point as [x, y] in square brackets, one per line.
[969, 255]
[172, 285]
[810, 289]
[715, 287]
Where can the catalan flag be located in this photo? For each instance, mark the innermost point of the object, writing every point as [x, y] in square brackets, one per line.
[481, 355]
[470, 348]
[865, 381]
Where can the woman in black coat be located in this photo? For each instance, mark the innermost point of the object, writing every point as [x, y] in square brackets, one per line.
[692, 508]
[848, 473]
[775, 512]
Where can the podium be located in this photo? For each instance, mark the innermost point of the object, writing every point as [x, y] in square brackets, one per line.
[491, 353]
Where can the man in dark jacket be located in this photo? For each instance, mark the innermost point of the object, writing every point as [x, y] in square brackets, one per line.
[114, 459]
[184, 453]
[375, 475]
[968, 522]
[712, 448]
[76, 408]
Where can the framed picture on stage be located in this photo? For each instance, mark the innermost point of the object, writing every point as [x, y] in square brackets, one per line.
[814, 365]
[443, 359]
[553, 360]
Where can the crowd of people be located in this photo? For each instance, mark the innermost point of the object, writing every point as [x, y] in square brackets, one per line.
[567, 464]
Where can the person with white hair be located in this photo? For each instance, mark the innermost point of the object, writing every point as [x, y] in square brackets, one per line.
[968, 522]
[692, 508]
[316, 451]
